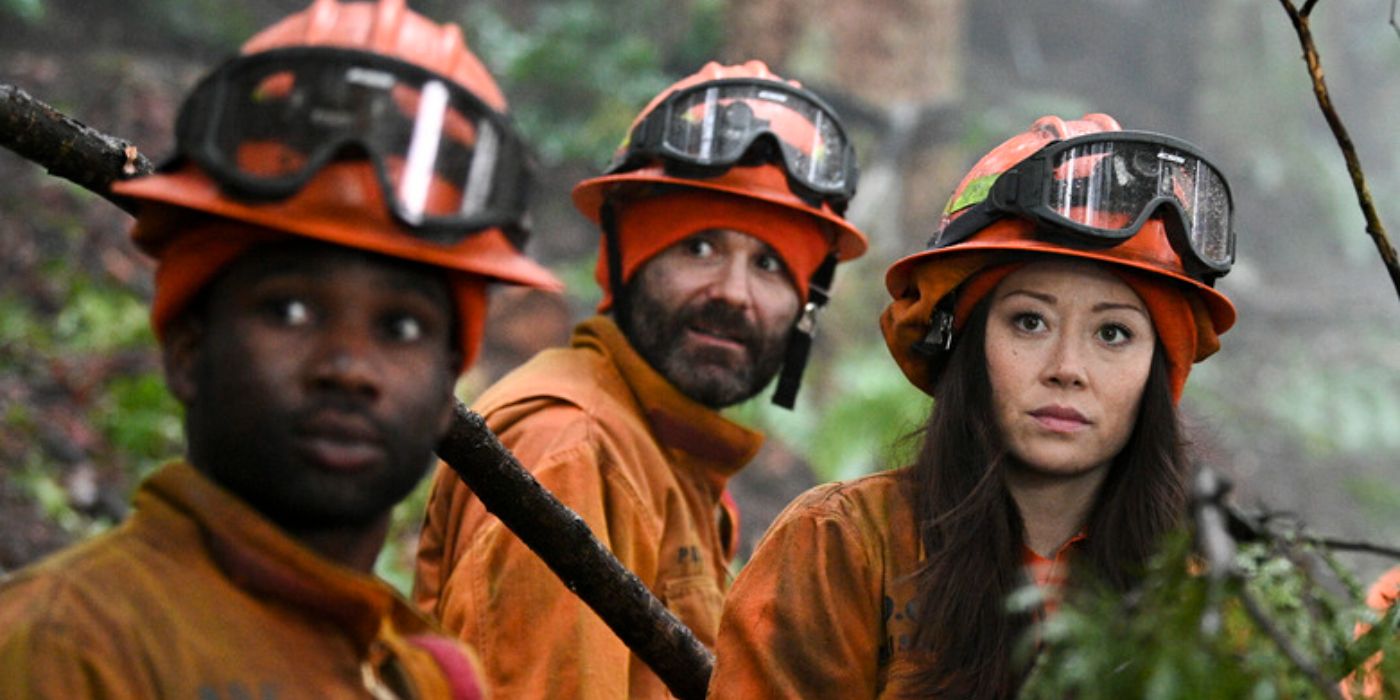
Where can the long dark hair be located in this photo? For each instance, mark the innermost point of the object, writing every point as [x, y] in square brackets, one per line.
[972, 532]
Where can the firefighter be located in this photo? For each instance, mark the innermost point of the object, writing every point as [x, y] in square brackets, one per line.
[722, 225]
[1054, 318]
[343, 191]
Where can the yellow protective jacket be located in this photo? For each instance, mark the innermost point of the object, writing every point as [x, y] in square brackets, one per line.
[198, 596]
[642, 464]
[824, 609]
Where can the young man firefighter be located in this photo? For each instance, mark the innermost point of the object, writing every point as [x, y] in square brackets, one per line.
[343, 191]
[722, 227]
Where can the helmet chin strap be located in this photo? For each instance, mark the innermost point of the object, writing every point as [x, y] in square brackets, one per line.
[799, 345]
[612, 241]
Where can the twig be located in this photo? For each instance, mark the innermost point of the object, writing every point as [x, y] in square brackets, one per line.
[1358, 178]
[565, 542]
[1213, 540]
[65, 146]
[1261, 619]
[1308, 8]
[1393, 5]
[1354, 546]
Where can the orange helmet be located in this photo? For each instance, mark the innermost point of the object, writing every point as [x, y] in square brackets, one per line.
[798, 122]
[423, 73]
[935, 289]
[731, 147]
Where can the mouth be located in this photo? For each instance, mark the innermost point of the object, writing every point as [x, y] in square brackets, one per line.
[718, 337]
[1060, 419]
[340, 442]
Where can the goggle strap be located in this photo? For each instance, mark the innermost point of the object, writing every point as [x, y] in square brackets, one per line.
[799, 346]
[973, 219]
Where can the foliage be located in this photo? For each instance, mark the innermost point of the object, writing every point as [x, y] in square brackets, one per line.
[25, 10]
[1185, 635]
[868, 403]
[577, 71]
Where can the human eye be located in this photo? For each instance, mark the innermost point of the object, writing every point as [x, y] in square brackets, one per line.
[287, 311]
[770, 262]
[404, 328]
[1114, 334]
[1028, 321]
[700, 247]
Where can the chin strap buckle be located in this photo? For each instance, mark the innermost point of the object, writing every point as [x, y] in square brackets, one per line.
[939, 339]
[803, 330]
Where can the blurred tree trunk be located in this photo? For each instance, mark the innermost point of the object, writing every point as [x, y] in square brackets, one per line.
[903, 59]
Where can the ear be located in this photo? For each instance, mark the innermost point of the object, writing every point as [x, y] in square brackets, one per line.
[180, 352]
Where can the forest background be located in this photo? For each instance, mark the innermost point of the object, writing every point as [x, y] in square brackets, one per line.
[1300, 410]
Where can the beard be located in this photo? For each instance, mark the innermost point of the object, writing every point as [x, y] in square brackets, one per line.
[248, 444]
[710, 376]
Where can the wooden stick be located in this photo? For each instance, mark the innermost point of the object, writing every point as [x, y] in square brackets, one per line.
[65, 146]
[564, 541]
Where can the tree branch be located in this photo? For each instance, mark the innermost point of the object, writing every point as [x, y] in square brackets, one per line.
[1358, 178]
[1261, 619]
[66, 147]
[564, 541]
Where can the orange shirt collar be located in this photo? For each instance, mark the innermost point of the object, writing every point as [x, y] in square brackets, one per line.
[259, 557]
[721, 446]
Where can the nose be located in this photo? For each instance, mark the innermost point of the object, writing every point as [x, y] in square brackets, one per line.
[733, 283]
[345, 363]
[1064, 368]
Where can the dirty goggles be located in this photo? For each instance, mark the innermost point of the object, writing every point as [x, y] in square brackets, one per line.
[1098, 190]
[448, 165]
[704, 130]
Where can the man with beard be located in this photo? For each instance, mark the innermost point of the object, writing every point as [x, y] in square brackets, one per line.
[721, 233]
[318, 290]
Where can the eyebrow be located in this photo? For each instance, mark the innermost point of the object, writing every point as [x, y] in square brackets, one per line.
[1099, 307]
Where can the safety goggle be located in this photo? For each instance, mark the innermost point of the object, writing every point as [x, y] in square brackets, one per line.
[448, 164]
[705, 129]
[1099, 189]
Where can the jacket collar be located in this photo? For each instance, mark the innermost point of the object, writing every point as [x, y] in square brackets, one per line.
[720, 446]
[259, 557]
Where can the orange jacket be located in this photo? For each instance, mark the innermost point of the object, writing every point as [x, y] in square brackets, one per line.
[197, 596]
[825, 607]
[643, 465]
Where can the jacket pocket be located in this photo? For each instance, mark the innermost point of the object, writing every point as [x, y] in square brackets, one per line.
[697, 601]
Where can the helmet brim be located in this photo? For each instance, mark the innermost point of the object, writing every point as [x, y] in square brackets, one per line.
[487, 254]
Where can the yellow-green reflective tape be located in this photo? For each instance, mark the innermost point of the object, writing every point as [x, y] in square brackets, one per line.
[974, 193]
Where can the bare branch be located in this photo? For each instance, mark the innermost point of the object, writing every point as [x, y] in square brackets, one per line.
[1354, 546]
[1307, 8]
[1261, 619]
[1358, 177]
[66, 147]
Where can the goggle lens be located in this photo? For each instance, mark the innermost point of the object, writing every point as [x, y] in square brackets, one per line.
[1114, 185]
[715, 124]
[266, 123]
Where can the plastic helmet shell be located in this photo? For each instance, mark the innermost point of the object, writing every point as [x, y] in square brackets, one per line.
[342, 204]
[767, 182]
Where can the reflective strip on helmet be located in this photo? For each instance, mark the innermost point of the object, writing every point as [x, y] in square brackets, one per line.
[975, 192]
